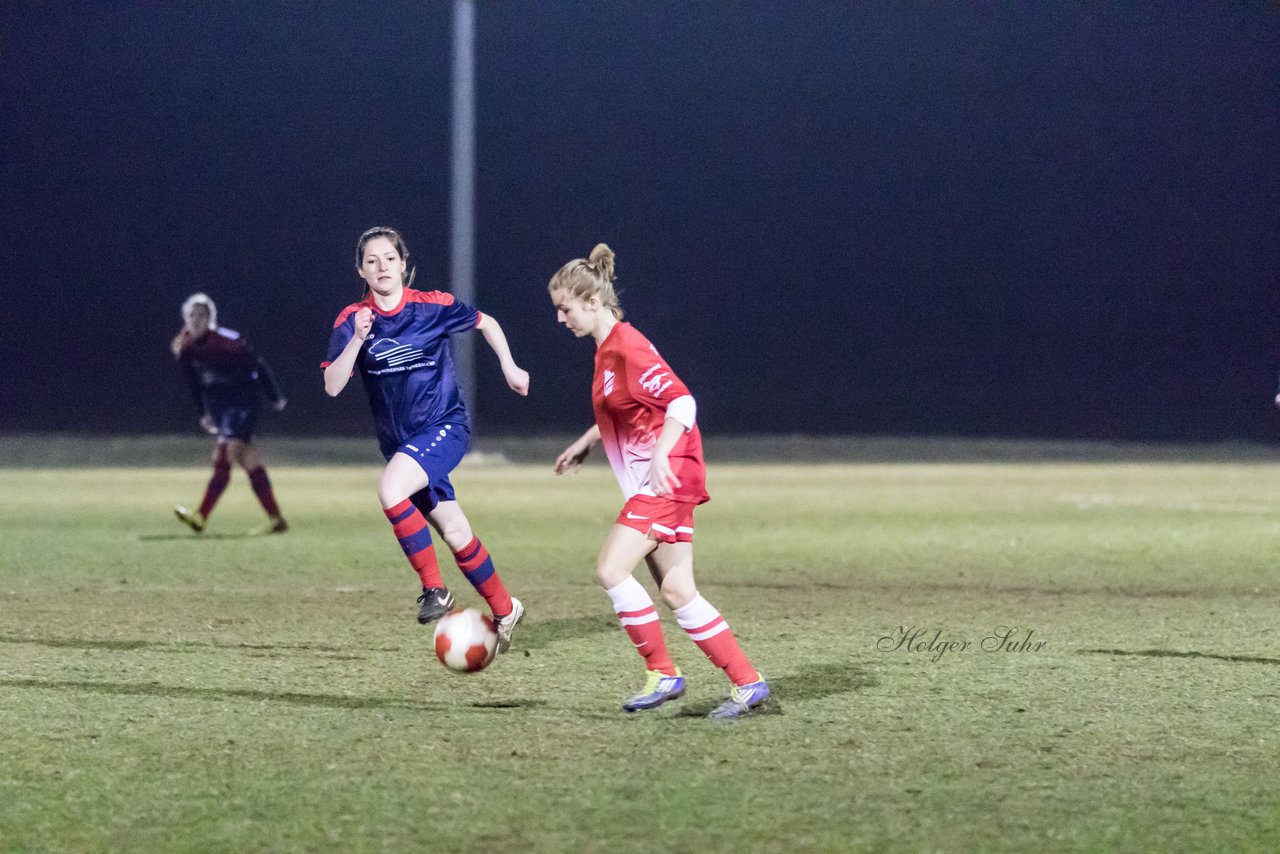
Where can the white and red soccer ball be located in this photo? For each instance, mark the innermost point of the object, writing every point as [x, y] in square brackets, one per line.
[466, 640]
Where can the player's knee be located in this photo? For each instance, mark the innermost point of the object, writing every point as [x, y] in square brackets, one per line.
[676, 593]
[456, 534]
[391, 491]
[609, 575]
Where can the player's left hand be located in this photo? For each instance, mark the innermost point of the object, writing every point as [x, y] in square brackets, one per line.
[517, 380]
[661, 477]
[207, 425]
[279, 405]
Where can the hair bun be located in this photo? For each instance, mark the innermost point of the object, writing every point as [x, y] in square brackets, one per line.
[602, 258]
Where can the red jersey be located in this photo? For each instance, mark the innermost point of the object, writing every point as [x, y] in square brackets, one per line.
[632, 388]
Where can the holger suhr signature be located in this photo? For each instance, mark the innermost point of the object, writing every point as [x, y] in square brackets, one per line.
[921, 639]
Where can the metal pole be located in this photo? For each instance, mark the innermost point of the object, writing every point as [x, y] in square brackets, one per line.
[462, 258]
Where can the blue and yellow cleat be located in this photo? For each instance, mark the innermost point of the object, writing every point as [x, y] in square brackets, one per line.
[658, 689]
[742, 700]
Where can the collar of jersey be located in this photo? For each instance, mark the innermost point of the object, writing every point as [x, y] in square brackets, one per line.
[612, 332]
[404, 297]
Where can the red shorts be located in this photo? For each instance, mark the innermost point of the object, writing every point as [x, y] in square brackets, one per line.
[665, 520]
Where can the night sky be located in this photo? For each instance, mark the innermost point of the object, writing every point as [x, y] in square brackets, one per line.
[1035, 220]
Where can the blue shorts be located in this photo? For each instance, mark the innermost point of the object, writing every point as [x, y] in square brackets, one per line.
[438, 451]
[233, 410]
[235, 422]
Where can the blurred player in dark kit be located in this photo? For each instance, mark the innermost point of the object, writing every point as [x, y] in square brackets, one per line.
[398, 339]
[227, 380]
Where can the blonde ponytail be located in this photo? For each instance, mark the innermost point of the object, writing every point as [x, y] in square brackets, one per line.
[584, 278]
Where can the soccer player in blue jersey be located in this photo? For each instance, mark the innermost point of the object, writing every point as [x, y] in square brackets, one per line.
[228, 380]
[398, 338]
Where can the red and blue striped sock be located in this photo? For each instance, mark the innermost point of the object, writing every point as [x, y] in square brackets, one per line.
[411, 530]
[474, 561]
[217, 483]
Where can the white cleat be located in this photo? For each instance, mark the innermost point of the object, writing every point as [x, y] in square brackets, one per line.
[507, 624]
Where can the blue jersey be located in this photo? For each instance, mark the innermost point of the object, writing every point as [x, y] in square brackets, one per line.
[405, 363]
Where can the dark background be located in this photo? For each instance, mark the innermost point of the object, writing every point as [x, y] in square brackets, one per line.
[1034, 220]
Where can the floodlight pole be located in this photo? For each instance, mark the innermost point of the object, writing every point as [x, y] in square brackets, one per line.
[462, 258]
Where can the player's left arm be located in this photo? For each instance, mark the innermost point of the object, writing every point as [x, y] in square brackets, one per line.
[270, 385]
[517, 378]
[651, 381]
[263, 375]
[681, 415]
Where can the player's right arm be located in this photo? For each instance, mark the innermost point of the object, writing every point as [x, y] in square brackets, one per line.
[338, 372]
[573, 455]
[192, 376]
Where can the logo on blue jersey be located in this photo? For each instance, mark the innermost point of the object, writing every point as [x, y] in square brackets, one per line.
[396, 356]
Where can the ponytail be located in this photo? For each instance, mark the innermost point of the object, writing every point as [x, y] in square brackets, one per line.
[588, 277]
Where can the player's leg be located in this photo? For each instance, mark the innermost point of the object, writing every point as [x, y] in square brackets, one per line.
[196, 519]
[623, 548]
[672, 564]
[400, 479]
[246, 454]
[474, 561]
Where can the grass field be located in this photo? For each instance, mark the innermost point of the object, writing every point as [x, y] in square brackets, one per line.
[160, 691]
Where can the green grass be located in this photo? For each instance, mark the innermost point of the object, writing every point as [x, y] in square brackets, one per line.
[160, 691]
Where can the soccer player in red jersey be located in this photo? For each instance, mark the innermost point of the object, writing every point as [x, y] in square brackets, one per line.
[646, 419]
[398, 338]
[227, 380]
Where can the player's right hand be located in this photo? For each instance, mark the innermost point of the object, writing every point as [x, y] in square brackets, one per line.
[364, 323]
[571, 457]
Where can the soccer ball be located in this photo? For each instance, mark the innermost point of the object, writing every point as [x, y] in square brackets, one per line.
[466, 640]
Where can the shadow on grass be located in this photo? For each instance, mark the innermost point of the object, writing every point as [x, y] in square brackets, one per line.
[532, 635]
[811, 683]
[327, 701]
[184, 646]
[805, 583]
[1170, 653]
[157, 538]
[538, 634]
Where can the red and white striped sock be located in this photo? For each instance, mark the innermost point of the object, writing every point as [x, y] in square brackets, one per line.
[705, 627]
[639, 618]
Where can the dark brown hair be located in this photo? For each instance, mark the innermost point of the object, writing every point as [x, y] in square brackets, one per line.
[396, 240]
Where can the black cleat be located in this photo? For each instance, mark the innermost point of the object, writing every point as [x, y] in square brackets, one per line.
[436, 602]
